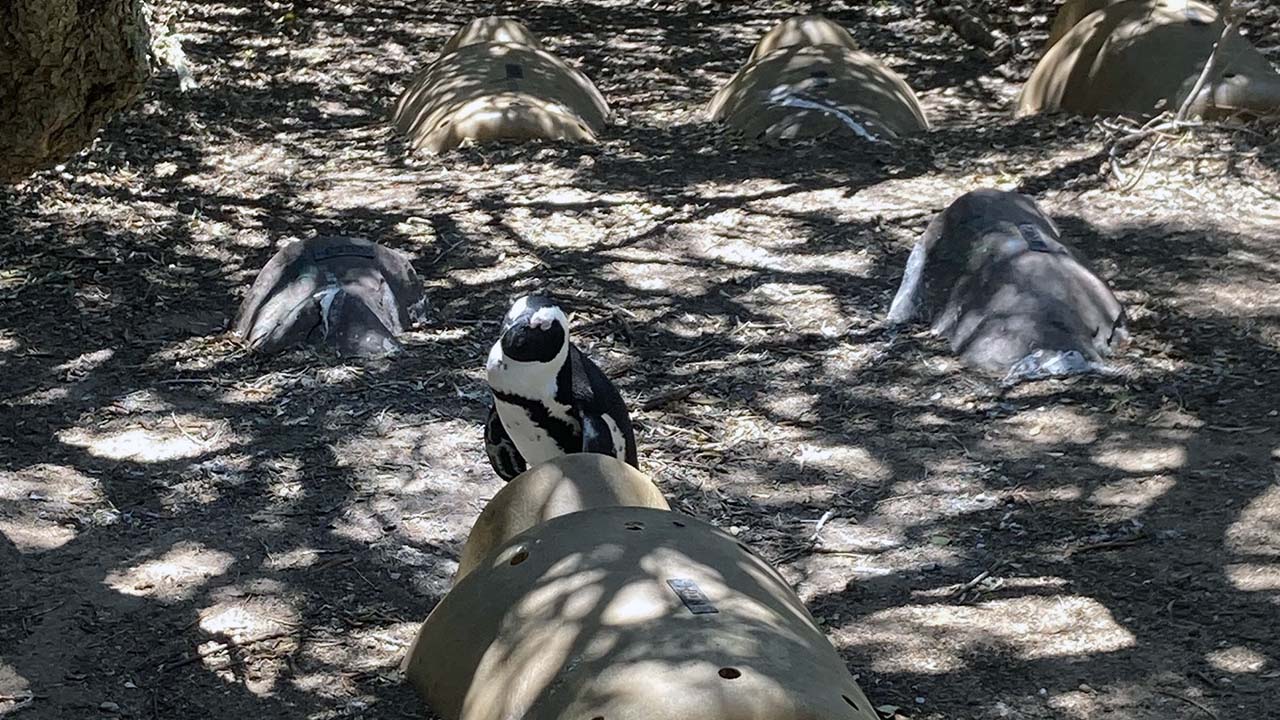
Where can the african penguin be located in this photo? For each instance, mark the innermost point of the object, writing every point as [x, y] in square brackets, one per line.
[548, 398]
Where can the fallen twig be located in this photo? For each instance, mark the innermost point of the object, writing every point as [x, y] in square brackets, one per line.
[822, 522]
[46, 611]
[666, 398]
[1229, 25]
[1189, 701]
[1107, 545]
[970, 26]
[977, 580]
[216, 648]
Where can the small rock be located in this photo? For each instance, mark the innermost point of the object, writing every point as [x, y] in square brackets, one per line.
[109, 707]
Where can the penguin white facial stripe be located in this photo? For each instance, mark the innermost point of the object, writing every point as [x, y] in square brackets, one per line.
[528, 378]
[518, 308]
[544, 318]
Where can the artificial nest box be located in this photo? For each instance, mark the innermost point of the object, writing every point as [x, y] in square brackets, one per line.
[569, 483]
[628, 613]
[494, 28]
[493, 81]
[803, 30]
[1143, 57]
[992, 276]
[347, 294]
[803, 90]
[1071, 13]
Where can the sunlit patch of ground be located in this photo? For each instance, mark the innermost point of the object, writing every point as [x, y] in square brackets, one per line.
[178, 438]
[937, 639]
[260, 536]
[43, 506]
[175, 575]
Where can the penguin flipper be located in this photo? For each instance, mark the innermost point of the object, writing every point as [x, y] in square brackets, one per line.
[601, 436]
[501, 449]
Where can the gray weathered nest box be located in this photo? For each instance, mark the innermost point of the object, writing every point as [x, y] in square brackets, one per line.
[346, 294]
[992, 276]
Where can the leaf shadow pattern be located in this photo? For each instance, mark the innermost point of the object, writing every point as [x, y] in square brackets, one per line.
[335, 496]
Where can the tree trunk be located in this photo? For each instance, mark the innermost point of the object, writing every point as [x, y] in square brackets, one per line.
[65, 67]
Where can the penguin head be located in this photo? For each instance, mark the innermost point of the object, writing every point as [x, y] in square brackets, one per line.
[534, 330]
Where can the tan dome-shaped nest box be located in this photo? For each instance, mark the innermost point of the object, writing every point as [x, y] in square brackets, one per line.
[566, 484]
[1070, 14]
[505, 88]
[803, 30]
[494, 28]
[806, 91]
[993, 277]
[347, 294]
[625, 613]
[1143, 57]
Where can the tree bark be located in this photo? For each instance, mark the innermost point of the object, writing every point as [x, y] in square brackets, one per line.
[65, 67]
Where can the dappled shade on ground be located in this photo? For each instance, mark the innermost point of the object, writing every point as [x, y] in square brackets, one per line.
[627, 612]
[481, 90]
[993, 277]
[218, 534]
[1144, 56]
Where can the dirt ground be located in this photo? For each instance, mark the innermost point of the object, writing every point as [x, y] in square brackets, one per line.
[190, 531]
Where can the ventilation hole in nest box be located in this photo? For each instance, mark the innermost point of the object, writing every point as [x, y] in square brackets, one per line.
[851, 703]
[730, 673]
[519, 557]
[635, 526]
[677, 523]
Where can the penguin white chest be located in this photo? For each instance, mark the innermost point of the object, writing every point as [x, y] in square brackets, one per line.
[533, 440]
[531, 421]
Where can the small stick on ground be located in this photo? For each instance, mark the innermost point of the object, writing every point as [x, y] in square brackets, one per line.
[1230, 23]
[962, 589]
[1106, 545]
[185, 433]
[1189, 701]
[666, 398]
[223, 647]
[822, 522]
